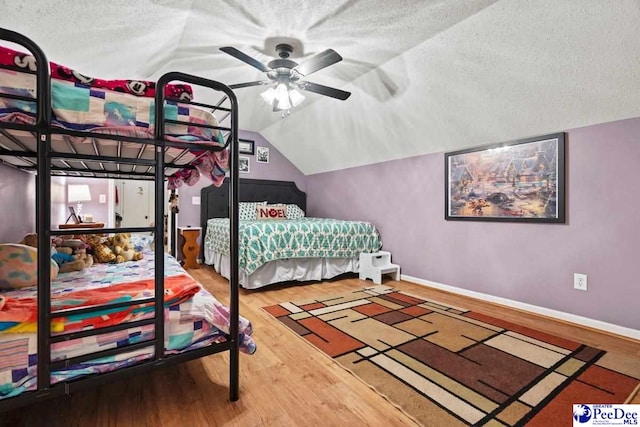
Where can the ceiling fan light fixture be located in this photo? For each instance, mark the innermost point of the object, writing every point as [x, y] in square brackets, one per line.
[287, 75]
[282, 97]
[269, 95]
[296, 97]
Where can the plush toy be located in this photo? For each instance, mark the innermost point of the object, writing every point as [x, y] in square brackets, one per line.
[66, 261]
[79, 249]
[101, 252]
[173, 203]
[63, 256]
[30, 239]
[83, 255]
[121, 245]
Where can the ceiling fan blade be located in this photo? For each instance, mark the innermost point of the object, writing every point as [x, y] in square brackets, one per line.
[245, 58]
[318, 62]
[325, 90]
[248, 84]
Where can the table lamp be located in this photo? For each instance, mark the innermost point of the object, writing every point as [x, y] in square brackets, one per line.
[78, 193]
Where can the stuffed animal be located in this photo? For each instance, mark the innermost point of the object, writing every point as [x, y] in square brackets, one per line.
[101, 252]
[66, 261]
[79, 249]
[63, 256]
[121, 245]
[174, 200]
[83, 255]
[30, 239]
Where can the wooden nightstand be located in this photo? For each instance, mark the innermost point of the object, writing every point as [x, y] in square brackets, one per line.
[82, 225]
[190, 249]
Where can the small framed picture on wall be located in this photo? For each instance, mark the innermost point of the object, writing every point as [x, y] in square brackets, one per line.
[246, 146]
[243, 164]
[263, 155]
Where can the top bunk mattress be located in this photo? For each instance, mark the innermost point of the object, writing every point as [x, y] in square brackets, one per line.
[122, 109]
[116, 107]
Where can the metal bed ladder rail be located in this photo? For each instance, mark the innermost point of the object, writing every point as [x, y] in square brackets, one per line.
[234, 354]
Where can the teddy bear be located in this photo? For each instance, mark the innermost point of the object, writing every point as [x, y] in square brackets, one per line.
[121, 246]
[79, 249]
[63, 256]
[102, 252]
[30, 239]
[66, 261]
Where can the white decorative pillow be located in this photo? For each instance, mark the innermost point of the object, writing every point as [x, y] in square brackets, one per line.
[271, 212]
[294, 212]
[19, 266]
[247, 210]
[141, 242]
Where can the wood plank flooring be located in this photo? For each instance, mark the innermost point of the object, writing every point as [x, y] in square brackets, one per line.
[286, 383]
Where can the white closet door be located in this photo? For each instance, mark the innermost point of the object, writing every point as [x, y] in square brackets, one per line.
[136, 203]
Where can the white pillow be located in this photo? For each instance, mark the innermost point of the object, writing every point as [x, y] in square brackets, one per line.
[294, 212]
[247, 210]
[141, 242]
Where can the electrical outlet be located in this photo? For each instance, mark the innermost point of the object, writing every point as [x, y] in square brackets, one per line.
[580, 281]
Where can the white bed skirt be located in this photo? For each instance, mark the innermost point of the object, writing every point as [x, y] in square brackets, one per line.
[293, 269]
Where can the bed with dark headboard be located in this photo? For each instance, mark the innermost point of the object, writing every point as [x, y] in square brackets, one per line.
[308, 252]
[214, 201]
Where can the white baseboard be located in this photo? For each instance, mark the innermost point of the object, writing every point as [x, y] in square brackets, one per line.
[568, 317]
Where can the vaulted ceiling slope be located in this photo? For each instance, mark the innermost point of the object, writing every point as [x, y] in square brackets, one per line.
[426, 75]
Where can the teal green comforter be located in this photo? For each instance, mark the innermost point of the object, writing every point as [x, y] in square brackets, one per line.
[270, 240]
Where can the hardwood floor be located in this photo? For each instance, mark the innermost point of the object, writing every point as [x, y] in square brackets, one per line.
[286, 383]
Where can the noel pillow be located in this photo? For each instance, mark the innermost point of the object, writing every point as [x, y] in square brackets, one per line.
[271, 212]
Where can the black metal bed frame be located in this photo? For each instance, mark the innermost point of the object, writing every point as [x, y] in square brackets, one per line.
[42, 131]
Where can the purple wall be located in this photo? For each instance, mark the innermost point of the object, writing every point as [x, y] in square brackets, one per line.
[59, 211]
[19, 217]
[530, 263]
[17, 210]
[278, 168]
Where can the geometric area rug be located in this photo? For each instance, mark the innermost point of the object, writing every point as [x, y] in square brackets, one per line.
[449, 366]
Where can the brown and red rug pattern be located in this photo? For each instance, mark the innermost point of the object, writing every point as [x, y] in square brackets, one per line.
[445, 365]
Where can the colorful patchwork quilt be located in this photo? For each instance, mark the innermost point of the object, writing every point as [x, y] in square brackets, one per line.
[269, 240]
[19, 61]
[78, 107]
[193, 319]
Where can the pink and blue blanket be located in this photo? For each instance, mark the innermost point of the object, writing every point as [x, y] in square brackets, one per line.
[193, 319]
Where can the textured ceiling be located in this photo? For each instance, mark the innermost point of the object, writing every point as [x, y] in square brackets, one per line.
[425, 76]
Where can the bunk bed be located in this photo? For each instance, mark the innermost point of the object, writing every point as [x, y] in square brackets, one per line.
[125, 323]
[285, 245]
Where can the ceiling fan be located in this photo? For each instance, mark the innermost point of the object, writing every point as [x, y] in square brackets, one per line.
[287, 75]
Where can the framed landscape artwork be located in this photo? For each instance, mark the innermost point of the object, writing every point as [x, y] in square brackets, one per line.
[519, 181]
